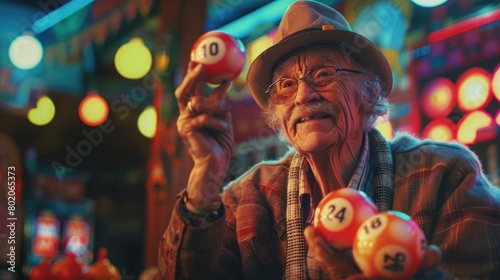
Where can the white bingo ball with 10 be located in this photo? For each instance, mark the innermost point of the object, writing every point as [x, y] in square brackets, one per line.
[389, 245]
[223, 55]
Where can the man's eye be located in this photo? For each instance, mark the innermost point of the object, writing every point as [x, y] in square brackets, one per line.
[323, 73]
[287, 83]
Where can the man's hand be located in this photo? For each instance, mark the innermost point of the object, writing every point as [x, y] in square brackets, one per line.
[430, 266]
[205, 126]
[335, 262]
[339, 263]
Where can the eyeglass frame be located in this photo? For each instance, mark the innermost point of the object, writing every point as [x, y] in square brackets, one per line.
[307, 79]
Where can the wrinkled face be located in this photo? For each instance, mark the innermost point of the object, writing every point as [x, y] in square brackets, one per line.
[317, 120]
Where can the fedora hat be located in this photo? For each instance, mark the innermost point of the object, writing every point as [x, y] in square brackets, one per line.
[308, 23]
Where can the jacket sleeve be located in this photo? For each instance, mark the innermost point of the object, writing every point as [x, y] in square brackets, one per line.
[456, 206]
[468, 226]
[208, 251]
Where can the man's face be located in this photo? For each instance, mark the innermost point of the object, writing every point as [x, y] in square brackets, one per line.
[315, 121]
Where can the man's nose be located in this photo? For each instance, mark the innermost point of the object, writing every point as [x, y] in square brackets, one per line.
[305, 92]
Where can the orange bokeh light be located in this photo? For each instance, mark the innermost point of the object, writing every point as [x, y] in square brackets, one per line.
[474, 89]
[497, 118]
[470, 124]
[93, 109]
[438, 98]
[441, 129]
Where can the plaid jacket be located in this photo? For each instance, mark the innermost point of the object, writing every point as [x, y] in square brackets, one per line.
[440, 185]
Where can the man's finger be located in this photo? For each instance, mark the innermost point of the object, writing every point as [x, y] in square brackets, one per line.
[432, 257]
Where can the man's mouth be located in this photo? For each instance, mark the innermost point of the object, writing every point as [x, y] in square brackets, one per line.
[315, 117]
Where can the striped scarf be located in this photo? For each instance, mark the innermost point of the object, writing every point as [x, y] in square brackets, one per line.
[383, 186]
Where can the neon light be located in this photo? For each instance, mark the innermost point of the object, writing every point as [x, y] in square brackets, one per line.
[245, 25]
[463, 26]
[58, 15]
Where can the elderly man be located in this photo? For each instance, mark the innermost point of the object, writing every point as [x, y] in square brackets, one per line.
[322, 87]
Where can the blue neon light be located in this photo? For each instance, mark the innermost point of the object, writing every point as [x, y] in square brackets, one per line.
[58, 15]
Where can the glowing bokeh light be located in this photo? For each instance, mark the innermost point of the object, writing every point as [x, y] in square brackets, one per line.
[146, 123]
[438, 98]
[25, 52]
[386, 130]
[441, 129]
[429, 3]
[473, 89]
[93, 109]
[470, 124]
[495, 83]
[256, 47]
[497, 118]
[133, 60]
[43, 113]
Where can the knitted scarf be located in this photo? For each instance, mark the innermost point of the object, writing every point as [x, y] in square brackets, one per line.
[381, 162]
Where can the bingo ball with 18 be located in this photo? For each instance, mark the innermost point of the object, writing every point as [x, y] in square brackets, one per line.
[340, 213]
[223, 55]
[389, 245]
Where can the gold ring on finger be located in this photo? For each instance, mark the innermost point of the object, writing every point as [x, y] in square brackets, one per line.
[190, 109]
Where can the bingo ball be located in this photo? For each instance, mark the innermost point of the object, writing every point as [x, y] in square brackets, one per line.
[340, 213]
[223, 55]
[389, 245]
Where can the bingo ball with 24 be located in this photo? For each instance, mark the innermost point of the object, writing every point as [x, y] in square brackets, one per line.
[389, 245]
[223, 55]
[340, 213]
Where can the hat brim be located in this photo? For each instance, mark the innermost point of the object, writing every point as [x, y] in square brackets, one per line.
[260, 71]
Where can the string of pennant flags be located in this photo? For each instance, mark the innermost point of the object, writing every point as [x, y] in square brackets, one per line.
[68, 49]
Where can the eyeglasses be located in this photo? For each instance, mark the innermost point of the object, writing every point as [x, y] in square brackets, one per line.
[320, 79]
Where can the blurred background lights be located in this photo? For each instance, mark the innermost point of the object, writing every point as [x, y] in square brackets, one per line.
[438, 98]
[133, 60]
[25, 52]
[497, 117]
[43, 113]
[473, 89]
[146, 123]
[93, 109]
[495, 83]
[470, 124]
[385, 129]
[429, 3]
[441, 129]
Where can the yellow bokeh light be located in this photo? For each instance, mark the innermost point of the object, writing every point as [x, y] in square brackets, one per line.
[146, 123]
[441, 133]
[133, 60]
[93, 109]
[440, 129]
[386, 130]
[473, 89]
[43, 113]
[438, 98]
[495, 83]
[497, 118]
[441, 97]
[258, 46]
[25, 52]
[470, 123]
